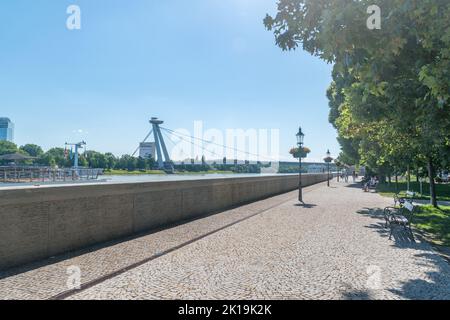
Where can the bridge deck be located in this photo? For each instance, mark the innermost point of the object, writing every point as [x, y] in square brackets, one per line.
[333, 248]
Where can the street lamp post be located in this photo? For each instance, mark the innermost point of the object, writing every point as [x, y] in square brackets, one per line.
[300, 137]
[338, 167]
[328, 160]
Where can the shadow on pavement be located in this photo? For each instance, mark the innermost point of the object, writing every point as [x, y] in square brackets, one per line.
[438, 280]
[355, 185]
[357, 295]
[422, 289]
[400, 237]
[358, 185]
[305, 205]
[5, 273]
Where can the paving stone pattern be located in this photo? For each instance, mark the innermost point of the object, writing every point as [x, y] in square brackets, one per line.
[334, 247]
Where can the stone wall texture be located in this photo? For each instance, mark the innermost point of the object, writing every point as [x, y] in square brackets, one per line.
[37, 223]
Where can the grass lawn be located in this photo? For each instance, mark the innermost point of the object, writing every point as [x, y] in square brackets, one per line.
[442, 190]
[435, 223]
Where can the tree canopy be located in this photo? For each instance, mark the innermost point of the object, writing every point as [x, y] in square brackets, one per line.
[390, 95]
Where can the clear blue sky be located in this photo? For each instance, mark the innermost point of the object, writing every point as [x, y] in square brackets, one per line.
[209, 60]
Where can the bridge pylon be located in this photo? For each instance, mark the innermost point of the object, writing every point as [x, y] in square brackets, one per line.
[162, 155]
[161, 148]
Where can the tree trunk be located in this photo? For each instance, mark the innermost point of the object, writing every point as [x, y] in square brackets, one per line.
[408, 177]
[396, 183]
[433, 200]
[417, 175]
[389, 178]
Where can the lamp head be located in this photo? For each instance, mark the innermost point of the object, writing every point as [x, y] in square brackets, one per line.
[300, 136]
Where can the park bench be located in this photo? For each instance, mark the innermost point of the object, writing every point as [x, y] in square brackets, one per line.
[400, 216]
[398, 201]
[369, 184]
[410, 194]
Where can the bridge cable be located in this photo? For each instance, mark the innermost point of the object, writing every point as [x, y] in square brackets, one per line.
[217, 144]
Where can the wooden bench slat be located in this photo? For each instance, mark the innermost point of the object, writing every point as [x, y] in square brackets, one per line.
[402, 215]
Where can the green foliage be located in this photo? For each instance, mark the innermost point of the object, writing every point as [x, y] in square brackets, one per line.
[32, 150]
[54, 157]
[7, 147]
[97, 160]
[388, 190]
[390, 95]
[297, 153]
[434, 223]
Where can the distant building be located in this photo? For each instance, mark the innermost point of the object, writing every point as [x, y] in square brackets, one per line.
[6, 130]
[147, 150]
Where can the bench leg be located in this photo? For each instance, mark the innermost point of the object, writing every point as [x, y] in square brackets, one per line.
[412, 234]
[408, 229]
[390, 234]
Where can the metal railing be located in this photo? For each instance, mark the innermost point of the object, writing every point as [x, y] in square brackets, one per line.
[22, 174]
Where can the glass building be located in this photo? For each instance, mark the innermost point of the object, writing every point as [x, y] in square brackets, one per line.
[6, 130]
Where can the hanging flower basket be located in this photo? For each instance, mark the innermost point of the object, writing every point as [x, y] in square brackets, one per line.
[297, 152]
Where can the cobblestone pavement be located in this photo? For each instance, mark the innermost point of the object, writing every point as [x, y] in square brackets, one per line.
[48, 278]
[335, 247]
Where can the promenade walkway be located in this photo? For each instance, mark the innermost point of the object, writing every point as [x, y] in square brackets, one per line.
[335, 247]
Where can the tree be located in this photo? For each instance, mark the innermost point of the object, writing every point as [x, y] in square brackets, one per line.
[150, 162]
[32, 150]
[390, 93]
[97, 159]
[127, 162]
[111, 160]
[7, 147]
[141, 164]
[55, 157]
[83, 161]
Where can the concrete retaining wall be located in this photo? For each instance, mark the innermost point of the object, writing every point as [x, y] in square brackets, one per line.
[37, 223]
